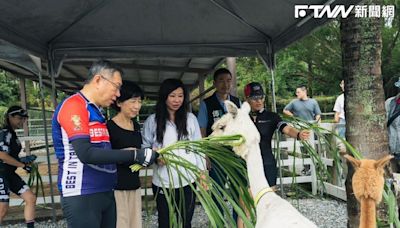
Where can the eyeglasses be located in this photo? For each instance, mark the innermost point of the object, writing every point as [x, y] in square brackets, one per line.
[116, 86]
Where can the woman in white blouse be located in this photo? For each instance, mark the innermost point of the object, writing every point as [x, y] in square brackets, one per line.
[172, 122]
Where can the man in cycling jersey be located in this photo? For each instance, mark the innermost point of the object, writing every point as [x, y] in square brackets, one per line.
[87, 164]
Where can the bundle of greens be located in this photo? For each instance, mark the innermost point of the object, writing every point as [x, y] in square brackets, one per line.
[210, 194]
[35, 181]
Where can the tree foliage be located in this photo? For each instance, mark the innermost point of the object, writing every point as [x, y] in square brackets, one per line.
[9, 89]
[391, 50]
[10, 93]
[314, 61]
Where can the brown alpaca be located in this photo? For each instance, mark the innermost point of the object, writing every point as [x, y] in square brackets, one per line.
[368, 184]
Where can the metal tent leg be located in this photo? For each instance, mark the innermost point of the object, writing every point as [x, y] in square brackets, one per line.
[53, 212]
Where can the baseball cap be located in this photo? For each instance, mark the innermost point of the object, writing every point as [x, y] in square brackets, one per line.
[254, 90]
[17, 110]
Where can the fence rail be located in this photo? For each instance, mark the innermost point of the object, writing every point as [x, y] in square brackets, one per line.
[289, 162]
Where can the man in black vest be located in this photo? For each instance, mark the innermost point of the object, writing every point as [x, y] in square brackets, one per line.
[212, 109]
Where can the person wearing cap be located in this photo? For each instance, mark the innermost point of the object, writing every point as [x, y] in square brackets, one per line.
[10, 147]
[124, 134]
[339, 117]
[266, 123]
[87, 171]
[211, 110]
[303, 107]
[392, 106]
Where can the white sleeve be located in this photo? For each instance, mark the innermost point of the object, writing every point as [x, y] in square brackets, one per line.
[148, 132]
[196, 135]
[336, 107]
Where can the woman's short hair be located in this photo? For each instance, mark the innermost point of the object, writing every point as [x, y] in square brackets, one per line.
[128, 90]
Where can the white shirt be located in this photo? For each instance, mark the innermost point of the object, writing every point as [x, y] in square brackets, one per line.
[339, 106]
[160, 173]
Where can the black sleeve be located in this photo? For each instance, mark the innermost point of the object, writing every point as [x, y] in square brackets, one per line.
[137, 128]
[93, 155]
[279, 123]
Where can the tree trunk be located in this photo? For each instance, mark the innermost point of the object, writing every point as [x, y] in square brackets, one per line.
[364, 96]
[310, 77]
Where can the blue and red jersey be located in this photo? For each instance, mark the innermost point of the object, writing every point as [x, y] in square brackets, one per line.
[77, 118]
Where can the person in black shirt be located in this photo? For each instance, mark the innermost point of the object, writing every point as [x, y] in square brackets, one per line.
[266, 123]
[10, 147]
[125, 133]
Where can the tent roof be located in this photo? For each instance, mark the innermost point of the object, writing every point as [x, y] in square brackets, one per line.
[72, 31]
[147, 73]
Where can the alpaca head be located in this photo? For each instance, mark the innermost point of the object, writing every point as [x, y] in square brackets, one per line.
[237, 121]
[368, 181]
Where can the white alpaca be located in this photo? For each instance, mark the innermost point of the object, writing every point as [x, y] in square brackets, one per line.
[272, 211]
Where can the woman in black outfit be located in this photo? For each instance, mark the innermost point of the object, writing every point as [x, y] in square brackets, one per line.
[10, 147]
[125, 133]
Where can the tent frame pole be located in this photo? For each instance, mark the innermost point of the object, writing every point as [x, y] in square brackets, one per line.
[269, 63]
[42, 99]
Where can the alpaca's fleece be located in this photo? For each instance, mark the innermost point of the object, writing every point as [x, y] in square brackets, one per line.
[272, 211]
[237, 121]
[368, 181]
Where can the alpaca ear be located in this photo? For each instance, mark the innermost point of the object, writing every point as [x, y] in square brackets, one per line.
[356, 163]
[383, 161]
[231, 108]
[245, 107]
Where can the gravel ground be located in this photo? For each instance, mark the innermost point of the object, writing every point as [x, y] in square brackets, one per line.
[326, 213]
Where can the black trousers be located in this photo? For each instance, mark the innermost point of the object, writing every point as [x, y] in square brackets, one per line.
[271, 173]
[95, 210]
[183, 209]
[221, 178]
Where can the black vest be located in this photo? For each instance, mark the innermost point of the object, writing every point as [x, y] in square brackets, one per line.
[215, 111]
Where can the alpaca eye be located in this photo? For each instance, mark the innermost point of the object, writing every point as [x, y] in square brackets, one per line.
[222, 127]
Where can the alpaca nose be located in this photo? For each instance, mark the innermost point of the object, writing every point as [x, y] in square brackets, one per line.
[214, 133]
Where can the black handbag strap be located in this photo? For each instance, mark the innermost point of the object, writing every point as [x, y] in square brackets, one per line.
[395, 115]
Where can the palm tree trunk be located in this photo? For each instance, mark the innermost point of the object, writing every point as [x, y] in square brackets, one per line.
[364, 96]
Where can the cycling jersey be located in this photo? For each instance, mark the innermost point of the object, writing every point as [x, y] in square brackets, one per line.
[78, 118]
[9, 180]
[10, 144]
